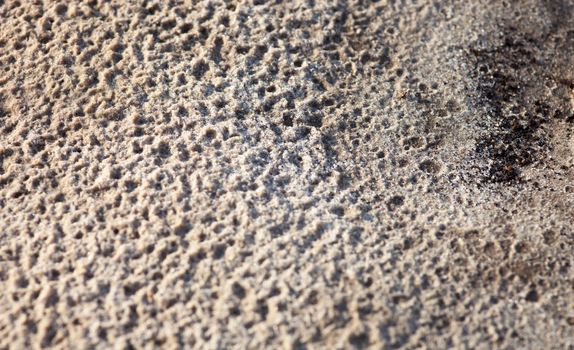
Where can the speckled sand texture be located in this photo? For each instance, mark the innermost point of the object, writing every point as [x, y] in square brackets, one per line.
[269, 174]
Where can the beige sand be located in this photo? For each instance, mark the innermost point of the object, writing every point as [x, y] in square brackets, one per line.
[287, 174]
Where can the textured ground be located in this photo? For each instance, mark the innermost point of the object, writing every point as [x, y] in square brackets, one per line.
[287, 174]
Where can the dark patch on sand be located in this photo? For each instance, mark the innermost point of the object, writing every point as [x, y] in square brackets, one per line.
[510, 84]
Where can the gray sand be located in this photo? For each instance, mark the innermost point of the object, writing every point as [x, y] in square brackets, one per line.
[273, 174]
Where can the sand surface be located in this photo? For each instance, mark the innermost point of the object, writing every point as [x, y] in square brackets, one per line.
[268, 174]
